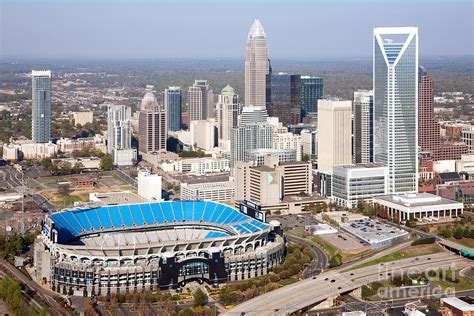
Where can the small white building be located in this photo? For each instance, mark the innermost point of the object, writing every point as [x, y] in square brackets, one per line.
[420, 206]
[149, 186]
[82, 118]
[27, 149]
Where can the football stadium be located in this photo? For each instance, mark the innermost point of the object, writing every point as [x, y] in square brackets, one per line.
[157, 245]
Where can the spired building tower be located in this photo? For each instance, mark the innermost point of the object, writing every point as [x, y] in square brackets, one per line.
[41, 106]
[395, 82]
[256, 66]
[151, 125]
[228, 108]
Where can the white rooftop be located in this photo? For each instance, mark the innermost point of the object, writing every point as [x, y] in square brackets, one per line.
[41, 73]
[459, 304]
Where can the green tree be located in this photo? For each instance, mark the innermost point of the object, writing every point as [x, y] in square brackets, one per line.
[200, 298]
[446, 233]
[64, 189]
[458, 232]
[305, 157]
[106, 162]
[335, 261]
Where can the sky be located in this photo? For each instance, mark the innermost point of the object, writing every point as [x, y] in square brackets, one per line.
[147, 29]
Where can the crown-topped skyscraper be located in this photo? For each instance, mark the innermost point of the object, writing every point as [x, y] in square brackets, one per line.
[256, 65]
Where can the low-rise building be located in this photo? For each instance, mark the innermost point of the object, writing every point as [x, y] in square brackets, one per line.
[420, 206]
[457, 306]
[27, 149]
[67, 145]
[82, 162]
[213, 191]
[197, 166]
[124, 157]
[354, 183]
[375, 234]
[82, 118]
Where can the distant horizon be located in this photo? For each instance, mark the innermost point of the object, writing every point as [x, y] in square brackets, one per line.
[12, 59]
[297, 29]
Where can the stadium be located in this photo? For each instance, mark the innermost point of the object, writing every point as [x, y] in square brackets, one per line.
[156, 245]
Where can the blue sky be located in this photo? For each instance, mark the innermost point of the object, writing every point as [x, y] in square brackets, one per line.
[308, 29]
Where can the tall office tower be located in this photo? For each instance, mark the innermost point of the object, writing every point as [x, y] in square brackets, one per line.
[119, 127]
[363, 126]
[334, 134]
[257, 65]
[283, 93]
[395, 82]
[151, 125]
[227, 109]
[429, 138]
[311, 92]
[41, 106]
[173, 103]
[428, 129]
[200, 101]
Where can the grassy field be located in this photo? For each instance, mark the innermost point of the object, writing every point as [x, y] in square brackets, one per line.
[333, 250]
[462, 284]
[467, 242]
[409, 252]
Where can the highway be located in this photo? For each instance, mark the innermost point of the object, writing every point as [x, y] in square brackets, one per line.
[308, 292]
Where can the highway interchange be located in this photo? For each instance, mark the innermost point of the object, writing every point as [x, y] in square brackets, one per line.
[300, 295]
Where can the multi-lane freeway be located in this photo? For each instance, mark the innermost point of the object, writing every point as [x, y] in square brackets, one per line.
[306, 293]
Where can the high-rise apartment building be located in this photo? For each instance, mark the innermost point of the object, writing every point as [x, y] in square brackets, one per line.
[119, 127]
[256, 65]
[311, 92]
[41, 106]
[257, 135]
[429, 138]
[283, 94]
[173, 104]
[395, 82]
[227, 110]
[119, 134]
[334, 134]
[200, 101]
[363, 126]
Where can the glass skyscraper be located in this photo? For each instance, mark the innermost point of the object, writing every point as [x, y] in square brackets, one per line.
[311, 92]
[41, 106]
[395, 81]
[283, 93]
[173, 102]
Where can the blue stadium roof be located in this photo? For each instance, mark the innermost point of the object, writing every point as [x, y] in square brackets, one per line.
[78, 222]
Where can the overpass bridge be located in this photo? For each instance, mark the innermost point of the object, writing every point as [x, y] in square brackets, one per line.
[305, 294]
[461, 250]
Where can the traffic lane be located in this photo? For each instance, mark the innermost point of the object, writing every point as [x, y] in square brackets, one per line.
[307, 292]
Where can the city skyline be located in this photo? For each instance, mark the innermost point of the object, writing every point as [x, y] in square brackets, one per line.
[115, 39]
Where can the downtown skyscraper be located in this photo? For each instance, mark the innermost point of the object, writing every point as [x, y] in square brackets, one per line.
[256, 66]
[363, 126]
[200, 101]
[41, 106]
[395, 82]
[227, 109]
[173, 104]
[153, 131]
[311, 92]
